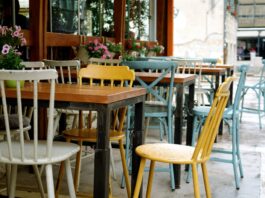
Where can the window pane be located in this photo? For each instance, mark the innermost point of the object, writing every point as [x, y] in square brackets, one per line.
[137, 19]
[64, 16]
[21, 13]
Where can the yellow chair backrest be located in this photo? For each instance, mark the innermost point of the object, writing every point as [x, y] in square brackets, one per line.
[109, 76]
[209, 131]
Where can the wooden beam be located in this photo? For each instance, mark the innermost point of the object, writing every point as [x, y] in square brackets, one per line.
[161, 23]
[119, 20]
[36, 29]
[170, 27]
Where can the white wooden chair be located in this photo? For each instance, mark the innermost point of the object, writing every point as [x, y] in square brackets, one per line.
[66, 69]
[101, 61]
[14, 124]
[33, 152]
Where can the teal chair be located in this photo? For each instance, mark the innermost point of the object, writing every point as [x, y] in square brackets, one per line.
[231, 117]
[259, 89]
[160, 107]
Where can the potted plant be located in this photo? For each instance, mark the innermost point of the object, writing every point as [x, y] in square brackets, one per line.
[11, 39]
[114, 48]
[96, 49]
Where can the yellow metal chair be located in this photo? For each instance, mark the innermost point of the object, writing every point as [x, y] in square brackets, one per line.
[181, 154]
[112, 76]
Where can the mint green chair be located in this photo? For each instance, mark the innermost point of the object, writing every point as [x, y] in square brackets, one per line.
[161, 105]
[259, 89]
[231, 117]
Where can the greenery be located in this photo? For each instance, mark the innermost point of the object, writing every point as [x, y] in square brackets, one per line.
[113, 47]
[10, 40]
[157, 49]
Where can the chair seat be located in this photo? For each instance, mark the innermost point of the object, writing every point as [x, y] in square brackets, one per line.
[90, 135]
[168, 153]
[60, 152]
[204, 110]
[13, 122]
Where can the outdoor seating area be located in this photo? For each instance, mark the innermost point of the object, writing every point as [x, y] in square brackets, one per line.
[113, 99]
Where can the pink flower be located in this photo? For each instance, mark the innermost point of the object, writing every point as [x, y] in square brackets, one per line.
[104, 56]
[96, 42]
[5, 50]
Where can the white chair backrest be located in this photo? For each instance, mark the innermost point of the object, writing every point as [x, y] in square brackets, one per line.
[16, 148]
[33, 65]
[65, 69]
[101, 61]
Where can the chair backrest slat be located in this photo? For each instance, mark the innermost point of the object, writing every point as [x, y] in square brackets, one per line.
[210, 129]
[17, 149]
[66, 69]
[101, 61]
[109, 76]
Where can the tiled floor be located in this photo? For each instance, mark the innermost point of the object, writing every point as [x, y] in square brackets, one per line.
[220, 174]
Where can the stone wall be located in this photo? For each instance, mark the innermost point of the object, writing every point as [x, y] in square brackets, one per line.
[199, 30]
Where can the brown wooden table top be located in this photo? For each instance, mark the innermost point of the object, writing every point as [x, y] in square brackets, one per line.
[80, 93]
[179, 78]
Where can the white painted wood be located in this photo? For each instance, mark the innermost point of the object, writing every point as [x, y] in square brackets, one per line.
[32, 152]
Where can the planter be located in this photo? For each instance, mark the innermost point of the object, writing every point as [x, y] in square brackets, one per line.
[13, 83]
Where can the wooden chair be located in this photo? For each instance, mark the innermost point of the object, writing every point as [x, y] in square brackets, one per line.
[231, 117]
[112, 76]
[14, 123]
[33, 152]
[181, 154]
[101, 61]
[65, 69]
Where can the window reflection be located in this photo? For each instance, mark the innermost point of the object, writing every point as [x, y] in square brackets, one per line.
[85, 17]
[21, 15]
[137, 18]
[64, 16]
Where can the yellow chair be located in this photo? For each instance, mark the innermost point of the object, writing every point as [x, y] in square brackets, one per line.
[181, 154]
[97, 75]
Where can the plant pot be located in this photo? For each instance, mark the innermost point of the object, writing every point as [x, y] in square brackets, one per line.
[13, 83]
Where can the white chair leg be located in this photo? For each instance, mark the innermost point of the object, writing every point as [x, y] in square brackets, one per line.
[112, 163]
[49, 181]
[69, 178]
[13, 181]
[37, 174]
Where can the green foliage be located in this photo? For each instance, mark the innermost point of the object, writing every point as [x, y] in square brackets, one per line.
[113, 47]
[10, 61]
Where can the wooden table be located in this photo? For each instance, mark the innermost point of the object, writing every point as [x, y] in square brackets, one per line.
[103, 100]
[181, 81]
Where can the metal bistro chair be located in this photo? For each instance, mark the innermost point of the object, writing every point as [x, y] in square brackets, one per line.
[231, 117]
[160, 105]
[259, 89]
[33, 152]
[181, 154]
[112, 76]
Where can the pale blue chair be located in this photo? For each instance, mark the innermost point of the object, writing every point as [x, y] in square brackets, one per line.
[231, 117]
[259, 89]
[161, 105]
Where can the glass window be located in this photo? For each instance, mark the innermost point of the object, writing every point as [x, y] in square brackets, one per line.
[64, 16]
[85, 17]
[21, 15]
[138, 18]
